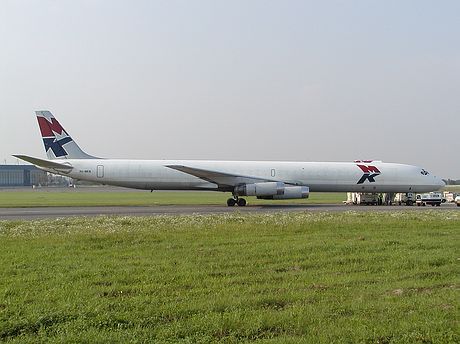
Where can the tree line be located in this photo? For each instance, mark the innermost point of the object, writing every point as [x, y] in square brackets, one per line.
[452, 181]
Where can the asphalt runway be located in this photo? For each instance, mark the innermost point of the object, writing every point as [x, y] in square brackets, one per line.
[59, 212]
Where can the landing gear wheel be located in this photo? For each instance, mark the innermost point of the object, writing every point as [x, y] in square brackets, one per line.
[241, 202]
[231, 202]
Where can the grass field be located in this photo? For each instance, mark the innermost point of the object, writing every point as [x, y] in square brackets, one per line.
[70, 197]
[289, 278]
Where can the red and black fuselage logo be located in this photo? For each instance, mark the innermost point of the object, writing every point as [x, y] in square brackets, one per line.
[369, 173]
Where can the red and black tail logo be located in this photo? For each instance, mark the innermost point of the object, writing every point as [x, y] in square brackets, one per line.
[53, 134]
[370, 172]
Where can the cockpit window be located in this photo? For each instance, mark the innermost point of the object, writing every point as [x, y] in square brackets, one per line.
[424, 172]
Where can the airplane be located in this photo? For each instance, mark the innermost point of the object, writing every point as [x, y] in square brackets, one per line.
[279, 180]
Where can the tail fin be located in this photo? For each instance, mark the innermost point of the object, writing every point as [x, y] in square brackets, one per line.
[58, 143]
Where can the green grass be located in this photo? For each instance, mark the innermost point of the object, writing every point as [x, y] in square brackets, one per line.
[314, 278]
[71, 197]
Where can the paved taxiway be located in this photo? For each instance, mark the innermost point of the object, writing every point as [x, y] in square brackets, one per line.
[57, 212]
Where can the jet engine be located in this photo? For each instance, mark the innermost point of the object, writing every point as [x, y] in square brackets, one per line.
[290, 192]
[260, 189]
[272, 190]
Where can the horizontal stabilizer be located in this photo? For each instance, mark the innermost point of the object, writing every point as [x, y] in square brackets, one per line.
[47, 164]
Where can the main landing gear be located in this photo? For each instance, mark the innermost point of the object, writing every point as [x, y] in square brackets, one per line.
[236, 200]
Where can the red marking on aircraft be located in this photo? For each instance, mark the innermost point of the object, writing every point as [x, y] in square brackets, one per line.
[368, 169]
[48, 128]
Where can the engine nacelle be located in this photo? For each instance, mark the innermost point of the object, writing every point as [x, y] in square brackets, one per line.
[264, 189]
[291, 192]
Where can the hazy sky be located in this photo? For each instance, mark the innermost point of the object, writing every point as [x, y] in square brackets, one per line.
[249, 80]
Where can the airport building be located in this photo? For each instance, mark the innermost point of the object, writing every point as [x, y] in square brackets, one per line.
[22, 175]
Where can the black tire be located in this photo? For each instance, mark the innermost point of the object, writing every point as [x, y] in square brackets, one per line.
[458, 204]
[231, 202]
[241, 202]
[409, 203]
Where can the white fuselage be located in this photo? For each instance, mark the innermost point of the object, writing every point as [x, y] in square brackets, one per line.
[318, 176]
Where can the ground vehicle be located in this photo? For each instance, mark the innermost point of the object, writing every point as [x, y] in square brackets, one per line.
[363, 198]
[406, 198]
[432, 198]
[449, 196]
[457, 200]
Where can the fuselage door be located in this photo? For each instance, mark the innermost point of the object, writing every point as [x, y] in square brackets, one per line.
[100, 171]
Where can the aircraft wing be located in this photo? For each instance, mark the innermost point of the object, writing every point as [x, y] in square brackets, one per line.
[46, 164]
[220, 178]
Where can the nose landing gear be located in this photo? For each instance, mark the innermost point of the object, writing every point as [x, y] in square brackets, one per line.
[236, 200]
